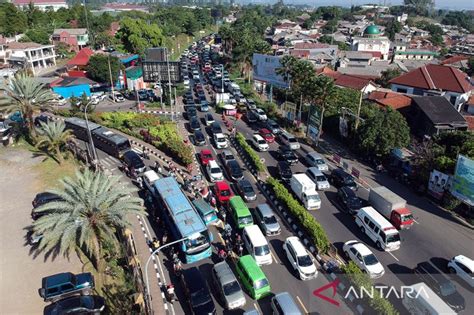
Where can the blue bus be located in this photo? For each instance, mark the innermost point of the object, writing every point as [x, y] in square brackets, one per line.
[183, 220]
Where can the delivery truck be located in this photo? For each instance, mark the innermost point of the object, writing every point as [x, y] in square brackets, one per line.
[391, 206]
[305, 189]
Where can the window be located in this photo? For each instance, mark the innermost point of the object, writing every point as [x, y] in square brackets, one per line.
[400, 90]
[67, 287]
[366, 220]
[452, 99]
[371, 225]
[353, 251]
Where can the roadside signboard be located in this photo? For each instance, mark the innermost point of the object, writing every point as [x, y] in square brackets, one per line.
[264, 69]
[314, 120]
[463, 180]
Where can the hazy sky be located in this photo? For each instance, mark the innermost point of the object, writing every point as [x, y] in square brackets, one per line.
[442, 4]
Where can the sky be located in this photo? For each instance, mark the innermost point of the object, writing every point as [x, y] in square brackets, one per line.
[441, 4]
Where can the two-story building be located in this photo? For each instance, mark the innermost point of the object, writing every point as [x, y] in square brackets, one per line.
[372, 42]
[29, 55]
[432, 80]
[401, 52]
[76, 38]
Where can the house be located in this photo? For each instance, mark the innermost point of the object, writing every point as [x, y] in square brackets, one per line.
[42, 5]
[387, 98]
[76, 38]
[432, 115]
[433, 79]
[363, 84]
[372, 42]
[68, 87]
[401, 52]
[134, 78]
[317, 48]
[28, 55]
[457, 61]
[285, 25]
[470, 122]
[78, 64]
[123, 7]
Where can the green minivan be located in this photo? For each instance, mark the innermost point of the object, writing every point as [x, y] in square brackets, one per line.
[252, 277]
[240, 212]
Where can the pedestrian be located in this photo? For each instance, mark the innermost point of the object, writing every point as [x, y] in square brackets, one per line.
[164, 238]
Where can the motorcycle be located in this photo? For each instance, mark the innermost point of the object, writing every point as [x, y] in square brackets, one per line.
[170, 294]
[177, 266]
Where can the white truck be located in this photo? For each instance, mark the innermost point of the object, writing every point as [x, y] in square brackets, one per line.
[391, 206]
[305, 189]
[149, 178]
[420, 299]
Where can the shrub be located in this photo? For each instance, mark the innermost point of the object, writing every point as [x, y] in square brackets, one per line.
[359, 279]
[254, 157]
[309, 223]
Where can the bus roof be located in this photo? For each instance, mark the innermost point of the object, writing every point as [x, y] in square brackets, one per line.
[105, 133]
[81, 123]
[202, 206]
[238, 204]
[251, 267]
[432, 302]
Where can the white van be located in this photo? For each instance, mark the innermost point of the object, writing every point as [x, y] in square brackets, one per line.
[149, 178]
[382, 232]
[422, 300]
[289, 140]
[257, 245]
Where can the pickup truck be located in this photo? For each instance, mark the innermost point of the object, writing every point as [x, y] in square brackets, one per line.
[66, 284]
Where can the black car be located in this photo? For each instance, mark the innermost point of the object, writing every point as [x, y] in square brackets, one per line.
[216, 128]
[132, 160]
[197, 292]
[272, 126]
[440, 285]
[41, 199]
[286, 154]
[42, 119]
[85, 304]
[199, 138]
[233, 169]
[284, 171]
[251, 117]
[194, 123]
[191, 111]
[341, 178]
[349, 201]
[245, 189]
[189, 100]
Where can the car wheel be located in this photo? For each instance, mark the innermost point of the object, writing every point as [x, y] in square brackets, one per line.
[379, 246]
[346, 254]
[451, 270]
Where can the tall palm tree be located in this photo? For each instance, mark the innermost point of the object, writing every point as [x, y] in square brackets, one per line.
[92, 208]
[53, 138]
[25, 94]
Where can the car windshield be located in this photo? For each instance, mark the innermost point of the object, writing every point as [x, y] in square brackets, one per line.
[292, 140]
[225, 193]
[314, 198]
[260, 284]
[321, 178]
[229, 157]
[221, 139]
[248, 189]
[215, 170]
[407, 217]
[261, 141]
[262, 250]
[370, 260]
[246, 220]
[270, 220]
[207, 156]
[200, 297]
[304, 261]
[198, 242]
[447, 288]
[393, 238]
[354, 202]
[319, 161]
[231, 288]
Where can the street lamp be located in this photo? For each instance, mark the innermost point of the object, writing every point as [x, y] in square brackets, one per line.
[95, 156]
[156, 251]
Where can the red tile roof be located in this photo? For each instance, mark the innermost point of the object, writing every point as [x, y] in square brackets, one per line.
[391, 99]
[82, 57]
[310, 45]
[299, 53]
[375, 54]
[454, 59]
[350, 81]
[436, 77]
[328, 72]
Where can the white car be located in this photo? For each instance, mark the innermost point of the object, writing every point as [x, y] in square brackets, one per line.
[260, 143]
[316, 160]
[221, 141]
[318, 178]
[260, 114]
[118, 97]
[299, 258]
[214, 171]
[363, 257]
[464, 267]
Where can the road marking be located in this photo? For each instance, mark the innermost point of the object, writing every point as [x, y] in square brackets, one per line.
[274, 257]
[393, 256]
[416, 221]
[302, 305]
[257, 308]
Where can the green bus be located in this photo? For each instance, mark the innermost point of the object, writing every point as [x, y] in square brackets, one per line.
[252, 277]
[240, 212]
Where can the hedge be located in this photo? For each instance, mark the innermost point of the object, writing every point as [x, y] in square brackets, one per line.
[359, 279]
[250, 152]
[309, 223]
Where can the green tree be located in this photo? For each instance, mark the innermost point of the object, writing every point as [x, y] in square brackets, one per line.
[25, 94]
[12, 20]
[382, 132]
[422, 7]
[388, 75]
[136, 35]
[98, 68]
[93, 208]
[53, 137]
[393, 28]
[37, 36]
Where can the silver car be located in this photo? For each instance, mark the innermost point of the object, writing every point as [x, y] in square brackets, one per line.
[316, 160]
[267, 220]
[227, 286]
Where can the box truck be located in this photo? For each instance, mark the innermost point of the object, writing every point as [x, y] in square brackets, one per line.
[305, 189]
[391, 206]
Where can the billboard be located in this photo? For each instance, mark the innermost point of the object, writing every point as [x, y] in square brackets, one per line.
[463, 180]
[153, 71]
[264, 69]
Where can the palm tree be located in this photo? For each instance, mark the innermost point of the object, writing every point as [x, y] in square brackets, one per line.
[93, 207]
[25, 94]
[53, 138]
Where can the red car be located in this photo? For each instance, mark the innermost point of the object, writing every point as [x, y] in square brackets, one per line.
[223, 192]
[267, 135]
[205, 156]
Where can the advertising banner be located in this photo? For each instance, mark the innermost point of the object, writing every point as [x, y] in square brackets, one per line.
[264, 69]
[438, 184]
[463, 180]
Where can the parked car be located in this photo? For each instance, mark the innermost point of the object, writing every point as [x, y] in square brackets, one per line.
[209, 119]
[117, 96]
[194, 123]
[227, 286]
[251, 104]
[267, 135]
[284, 170]
[440, 285]
[286, 154]
[349, 201]
[261, 115]
[220, 141]
[132, 160]
[251, 117]
[199, 138]
[214, 171]
[464, 267]
[234, 170]
[267, 220]
[316, 160]
[197, 292]
[246, 190]
[41, 199]
[363, 257]
[318, 178]
[62, 285]
[226, 155]
[259, 143]
[205, 156]
[86, 304]
[340, 178]
[271, 125]
[299, 258]
[223, 192]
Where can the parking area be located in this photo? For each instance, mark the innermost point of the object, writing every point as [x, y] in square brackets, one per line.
[21, 270]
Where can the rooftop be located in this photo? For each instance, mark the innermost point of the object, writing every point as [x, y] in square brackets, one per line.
[82, 57]
[439, 110]
[72, 31]
[43, 2]
[390, 99]
[71, 81]
[24, 46]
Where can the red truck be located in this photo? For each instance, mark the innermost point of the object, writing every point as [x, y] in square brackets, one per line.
[391, 206]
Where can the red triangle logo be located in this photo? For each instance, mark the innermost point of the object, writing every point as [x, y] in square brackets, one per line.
[332, 285]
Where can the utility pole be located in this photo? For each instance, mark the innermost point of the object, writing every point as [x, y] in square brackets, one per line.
[110, 75]
[358, 111]
[161, 89]
[169, 80]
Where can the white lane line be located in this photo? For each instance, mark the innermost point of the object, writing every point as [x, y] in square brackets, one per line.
[302, 305]
[393, 256]
[274, 257]
[416, 221]
[107, 163]
[257, 308]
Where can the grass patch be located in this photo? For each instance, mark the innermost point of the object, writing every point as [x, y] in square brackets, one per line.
[51, 172]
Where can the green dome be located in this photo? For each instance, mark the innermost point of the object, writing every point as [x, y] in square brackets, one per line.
[372, 30]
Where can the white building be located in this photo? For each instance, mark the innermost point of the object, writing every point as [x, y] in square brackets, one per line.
[43, 5]
[28, 55]
[372, 42]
